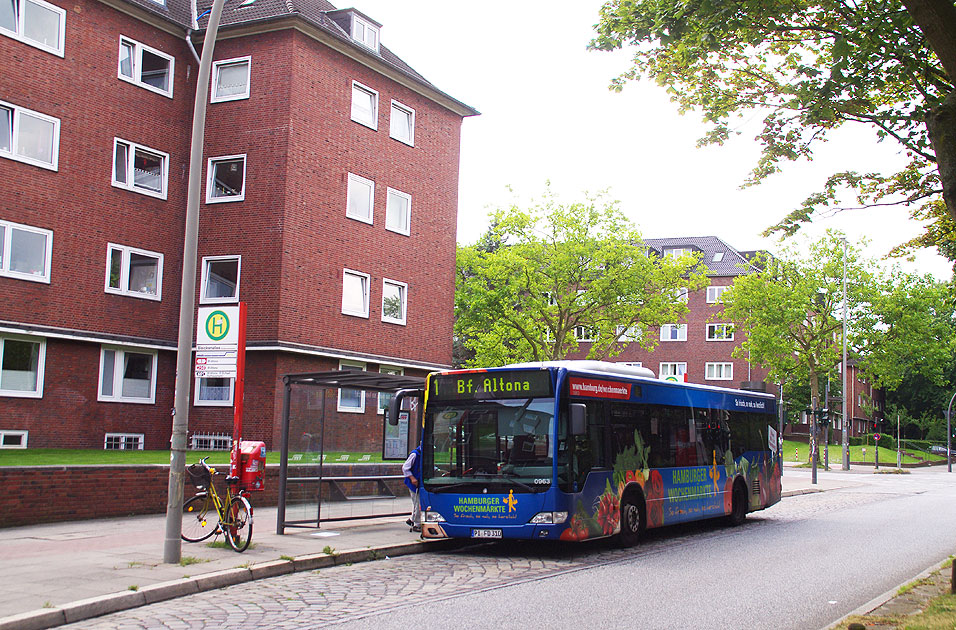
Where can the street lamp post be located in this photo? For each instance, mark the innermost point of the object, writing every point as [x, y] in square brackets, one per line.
[846, 423]
[172, 544]
[949, 435]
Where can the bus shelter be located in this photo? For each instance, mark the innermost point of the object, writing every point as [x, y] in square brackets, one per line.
[327, 417]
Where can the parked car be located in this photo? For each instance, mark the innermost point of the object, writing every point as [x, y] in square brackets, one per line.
[937, 449]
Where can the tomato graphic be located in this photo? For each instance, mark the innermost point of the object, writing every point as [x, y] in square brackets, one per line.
[655, 490]
[609, 514]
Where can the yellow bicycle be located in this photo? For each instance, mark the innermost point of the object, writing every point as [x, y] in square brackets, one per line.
[206, 514]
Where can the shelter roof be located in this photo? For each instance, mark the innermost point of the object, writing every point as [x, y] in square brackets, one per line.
[356, 379]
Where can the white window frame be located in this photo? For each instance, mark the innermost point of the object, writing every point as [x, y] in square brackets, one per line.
[137, 78]
[372, 121]
[117, 376]
[201, 402]
[368, 292]
[24, 435]
[369, 29]
[217, 67]
[714, 293]
[129, 184]
[18, 33]
[712, 332]
[681, 332]
[206, 261]
[16, 113]
[682, 295]
[41, 366]
[394, 371]
[210, 442]
[210, 178]
[140, 440]
[6, 246]
[403, 288]
[629, 333]
[405, 229]
[125, 269]
[358, 179]
[718, 371]
[403, 110]
[585, 334]
[677, 252]
[718, 256]
[679, 369]
[344, 363]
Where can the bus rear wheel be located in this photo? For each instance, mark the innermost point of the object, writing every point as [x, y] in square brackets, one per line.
[632, 520]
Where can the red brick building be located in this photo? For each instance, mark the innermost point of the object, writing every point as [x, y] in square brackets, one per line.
[330, 203]
[698, 348]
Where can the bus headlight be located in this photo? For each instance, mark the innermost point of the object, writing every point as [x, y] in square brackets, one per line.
[433, 517]
[549, 518]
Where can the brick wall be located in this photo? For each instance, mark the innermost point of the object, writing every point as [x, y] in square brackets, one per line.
[48, 494]
[78, 201]
[290, 230]
[69, 414]
[697, 351]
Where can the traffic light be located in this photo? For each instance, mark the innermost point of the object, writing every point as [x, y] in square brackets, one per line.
[825, 415]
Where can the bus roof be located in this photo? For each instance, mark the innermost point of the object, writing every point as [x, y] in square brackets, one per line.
[609, 368]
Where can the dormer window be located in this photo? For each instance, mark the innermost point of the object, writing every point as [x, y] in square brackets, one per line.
[365, 32]
[677, 252]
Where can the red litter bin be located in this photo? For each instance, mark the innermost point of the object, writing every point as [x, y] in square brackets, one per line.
[252, 465]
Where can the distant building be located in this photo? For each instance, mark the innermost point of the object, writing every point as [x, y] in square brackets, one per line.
[698, 348]
[330, 205]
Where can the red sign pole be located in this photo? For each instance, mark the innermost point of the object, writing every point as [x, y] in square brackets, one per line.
[238, 392]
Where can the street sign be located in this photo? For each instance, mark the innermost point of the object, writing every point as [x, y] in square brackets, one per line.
[217, 342]
[218, 328]
[216, 364]
[876, 437]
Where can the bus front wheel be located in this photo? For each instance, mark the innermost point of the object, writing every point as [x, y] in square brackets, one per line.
[632, 519]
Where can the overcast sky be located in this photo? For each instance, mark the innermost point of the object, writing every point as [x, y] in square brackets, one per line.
[546, 114]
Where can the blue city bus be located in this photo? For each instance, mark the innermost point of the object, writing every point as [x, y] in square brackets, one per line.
[575, 450]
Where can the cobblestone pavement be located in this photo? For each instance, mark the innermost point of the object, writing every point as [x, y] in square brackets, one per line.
[343, 593]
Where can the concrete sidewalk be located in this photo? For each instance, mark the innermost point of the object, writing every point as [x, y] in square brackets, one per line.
[65, 572]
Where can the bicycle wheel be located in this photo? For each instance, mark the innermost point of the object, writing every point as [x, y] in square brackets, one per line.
[238, 526]
[200, 519]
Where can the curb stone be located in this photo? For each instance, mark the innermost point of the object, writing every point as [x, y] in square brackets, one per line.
[102, 605]
[880, 600]
[115, 602]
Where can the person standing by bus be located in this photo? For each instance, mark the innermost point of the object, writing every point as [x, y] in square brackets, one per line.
[412, 469]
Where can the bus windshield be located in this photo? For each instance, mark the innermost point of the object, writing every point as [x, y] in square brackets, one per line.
[507, 444]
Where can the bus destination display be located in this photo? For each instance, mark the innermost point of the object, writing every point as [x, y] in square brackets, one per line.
[484, 385]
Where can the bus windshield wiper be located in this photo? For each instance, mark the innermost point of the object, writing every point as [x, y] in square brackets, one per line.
[508, 475]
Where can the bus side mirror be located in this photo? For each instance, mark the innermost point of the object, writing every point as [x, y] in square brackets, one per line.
[579, 419]
[391, 414]
[395, 404]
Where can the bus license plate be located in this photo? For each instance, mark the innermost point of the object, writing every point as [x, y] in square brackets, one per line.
[486, 533]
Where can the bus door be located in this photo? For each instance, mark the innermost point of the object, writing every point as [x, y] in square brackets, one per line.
[589, 466]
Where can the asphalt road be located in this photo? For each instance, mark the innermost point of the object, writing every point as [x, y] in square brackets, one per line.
[802, 564]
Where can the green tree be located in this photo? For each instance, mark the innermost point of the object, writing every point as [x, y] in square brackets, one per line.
[898, 325]
[810, 66]
[542, 278]
[906, 330]
[788, 311]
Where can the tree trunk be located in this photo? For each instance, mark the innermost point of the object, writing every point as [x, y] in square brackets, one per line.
[936, 19]
[941, 125]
